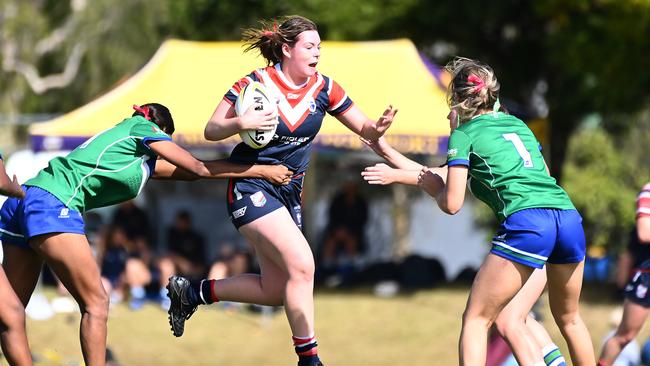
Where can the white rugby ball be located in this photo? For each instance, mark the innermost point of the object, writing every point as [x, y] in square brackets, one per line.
[255, 93]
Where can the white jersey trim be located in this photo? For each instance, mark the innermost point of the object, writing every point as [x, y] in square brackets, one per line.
[293, 114]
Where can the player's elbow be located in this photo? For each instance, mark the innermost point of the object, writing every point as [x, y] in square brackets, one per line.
[451, 210]
[451, 207]
[211, 131]
[208, 133]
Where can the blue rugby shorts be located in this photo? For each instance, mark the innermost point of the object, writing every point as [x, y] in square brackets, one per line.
[38, 213]
[249, 199]
[536, 236]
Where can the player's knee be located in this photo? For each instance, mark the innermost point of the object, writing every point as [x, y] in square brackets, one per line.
[14, 315]
[566, 320]
[506, 325]
[96, 306]
[476, 319]
[302, 271]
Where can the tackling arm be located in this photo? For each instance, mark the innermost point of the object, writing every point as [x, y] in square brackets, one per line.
[179, 164]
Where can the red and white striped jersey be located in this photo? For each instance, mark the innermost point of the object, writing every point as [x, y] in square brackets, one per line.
[301, 109]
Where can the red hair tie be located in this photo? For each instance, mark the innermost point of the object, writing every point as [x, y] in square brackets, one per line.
[144, 110]
[267, 33]
[275, 27]
[478, 82]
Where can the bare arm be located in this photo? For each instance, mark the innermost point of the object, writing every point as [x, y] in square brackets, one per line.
[449, 195]
[359, 123]
[225, 123]
[8, 186]
[382, 174]
[179, 164]
[382, 148]
[643, 229]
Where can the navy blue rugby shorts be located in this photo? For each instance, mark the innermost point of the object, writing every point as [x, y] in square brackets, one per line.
[249, 199]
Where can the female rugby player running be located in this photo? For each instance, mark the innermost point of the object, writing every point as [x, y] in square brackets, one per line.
[500, 158]
[269, 217]
[111, 167]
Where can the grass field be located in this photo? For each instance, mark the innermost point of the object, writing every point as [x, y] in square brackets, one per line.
[352, 329]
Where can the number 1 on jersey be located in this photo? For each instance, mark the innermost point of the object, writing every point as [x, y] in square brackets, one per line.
[521, 149]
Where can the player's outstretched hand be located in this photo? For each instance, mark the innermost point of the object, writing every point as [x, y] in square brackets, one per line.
[430, 182]
[277, 174]
[385, 120]
[254, 119]
[380, 174]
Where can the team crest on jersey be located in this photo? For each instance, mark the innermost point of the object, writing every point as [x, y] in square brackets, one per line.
[312, 105]
[258, 199]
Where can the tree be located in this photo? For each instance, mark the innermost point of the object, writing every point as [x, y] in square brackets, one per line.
[57, 55]
[581, 57]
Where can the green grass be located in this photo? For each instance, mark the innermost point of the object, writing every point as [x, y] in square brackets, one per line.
[352, 329]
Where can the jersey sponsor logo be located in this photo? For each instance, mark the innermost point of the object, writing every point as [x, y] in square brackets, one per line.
[292, 140]
[239, 213]
[258, 199]
[65, 213]
[641, 291]
[452, 152]
[293, 96]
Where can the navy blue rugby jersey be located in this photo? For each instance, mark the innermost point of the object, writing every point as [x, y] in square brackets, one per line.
[301, 110]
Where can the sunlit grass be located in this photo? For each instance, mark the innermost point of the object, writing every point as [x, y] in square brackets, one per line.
[352, 328]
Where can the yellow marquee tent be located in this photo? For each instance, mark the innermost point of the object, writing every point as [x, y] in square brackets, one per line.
[191, 77]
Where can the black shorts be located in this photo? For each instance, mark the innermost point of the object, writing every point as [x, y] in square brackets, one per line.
[637, 289]
[249, 199]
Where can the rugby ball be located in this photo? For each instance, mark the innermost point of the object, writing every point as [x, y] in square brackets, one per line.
[255, 93]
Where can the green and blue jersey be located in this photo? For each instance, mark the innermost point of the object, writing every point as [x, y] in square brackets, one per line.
[506, 167]
[109, 168]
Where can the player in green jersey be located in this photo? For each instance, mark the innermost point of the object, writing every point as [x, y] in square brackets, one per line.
[498, 157]
[109, 168]
[12, 313]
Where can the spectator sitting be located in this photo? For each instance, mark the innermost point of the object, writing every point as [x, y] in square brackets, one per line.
[344, 235]
[143, 268]
[113, 256]
[186, 247]
[230, 262]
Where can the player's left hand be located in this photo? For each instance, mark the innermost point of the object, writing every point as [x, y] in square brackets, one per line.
[430, 182]
[278, 174]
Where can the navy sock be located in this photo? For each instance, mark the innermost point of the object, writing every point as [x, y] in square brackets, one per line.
[202, 292]
[194, 293]
[308, 360]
